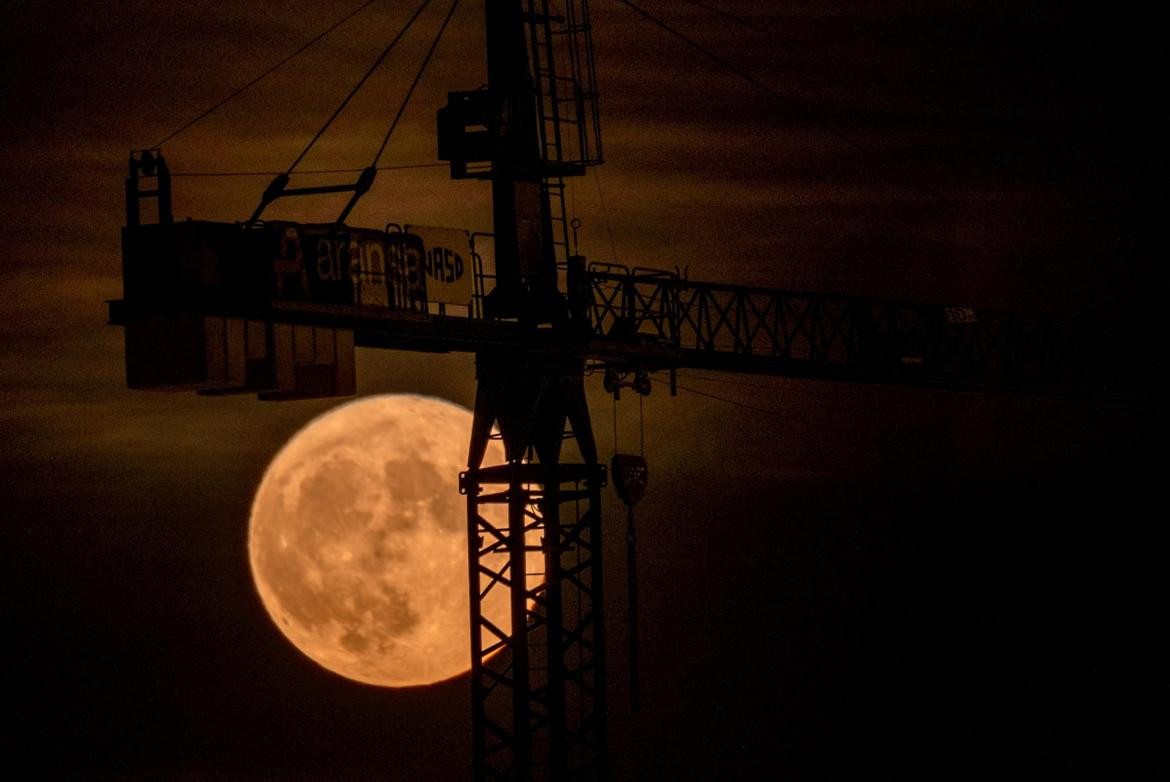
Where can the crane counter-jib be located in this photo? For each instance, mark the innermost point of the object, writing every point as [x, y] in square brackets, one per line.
[221, 307]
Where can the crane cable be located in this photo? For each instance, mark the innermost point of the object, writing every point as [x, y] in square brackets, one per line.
[361, 82]
[838, 134]
[268, 72]
[741, 21]
[278, 187]
[400, 167]
[727, 381]
[605, 214]
[632, 588]
[366, 179]
[417, 77]
[631, 547]
[744, 405]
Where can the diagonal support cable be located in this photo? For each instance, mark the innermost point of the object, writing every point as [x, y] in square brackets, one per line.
[241, 90]
[729, 66]
[373, 167]
[414, 84]
[278, 186]
[361, 83]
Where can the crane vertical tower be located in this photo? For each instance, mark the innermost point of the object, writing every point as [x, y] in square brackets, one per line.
[538, 689]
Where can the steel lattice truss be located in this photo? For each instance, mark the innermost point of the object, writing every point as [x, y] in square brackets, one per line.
[855, 338]
[540, 693]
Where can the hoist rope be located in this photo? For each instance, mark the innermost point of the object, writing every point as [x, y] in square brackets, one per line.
[632, 587]
[272, 69]
[641, 426]
[417, 77]
[361, 82]
[631, 549]
[615, 426]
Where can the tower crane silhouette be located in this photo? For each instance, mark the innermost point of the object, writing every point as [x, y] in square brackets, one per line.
[276, 308]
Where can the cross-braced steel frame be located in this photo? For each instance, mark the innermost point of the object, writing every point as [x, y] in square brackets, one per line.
[781, 332]
[539, 691]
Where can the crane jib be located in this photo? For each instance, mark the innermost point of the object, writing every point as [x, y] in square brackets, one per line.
[422, 288]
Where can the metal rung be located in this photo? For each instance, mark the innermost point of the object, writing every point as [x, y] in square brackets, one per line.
[544, 18]
[551, 72]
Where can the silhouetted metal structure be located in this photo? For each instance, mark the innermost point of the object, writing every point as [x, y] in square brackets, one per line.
[276, 308]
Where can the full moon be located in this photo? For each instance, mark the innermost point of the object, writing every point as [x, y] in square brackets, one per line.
[358, 541]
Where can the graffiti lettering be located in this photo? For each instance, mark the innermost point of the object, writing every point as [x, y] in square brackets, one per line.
[321, 263]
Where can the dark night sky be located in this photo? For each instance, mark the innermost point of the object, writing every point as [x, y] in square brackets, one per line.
[869, 581]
